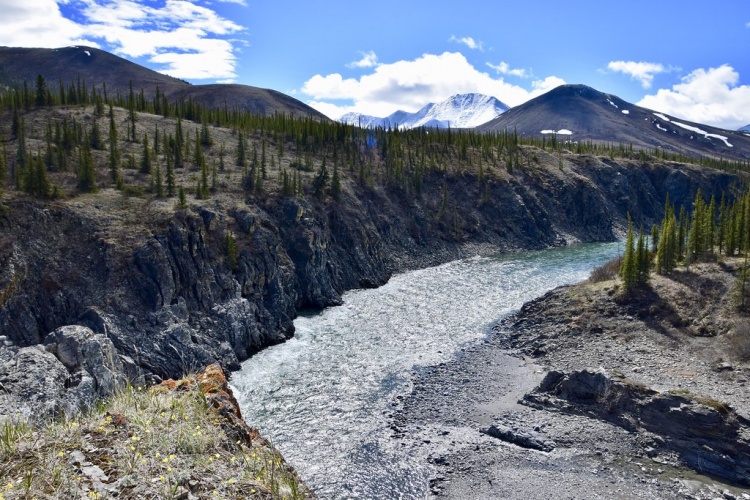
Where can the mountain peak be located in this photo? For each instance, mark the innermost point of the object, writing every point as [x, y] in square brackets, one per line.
[587, 114]
[458, 111]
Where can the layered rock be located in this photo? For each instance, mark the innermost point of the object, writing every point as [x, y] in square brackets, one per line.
[708, 435]
[158, 283]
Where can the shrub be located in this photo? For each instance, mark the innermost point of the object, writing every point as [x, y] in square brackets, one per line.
[606, 272]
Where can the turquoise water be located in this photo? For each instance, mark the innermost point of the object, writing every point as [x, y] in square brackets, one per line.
[323, 397]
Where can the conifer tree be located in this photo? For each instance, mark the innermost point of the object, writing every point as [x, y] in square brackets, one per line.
[654, 238]
[158, 182]
[181, 198]
[206, 139]
[146, 157]
[666, 253]
[335, 183]
[320, 181]
[114, 150]
[95, 137]
[629, 265]
[241, 150]
[41, 91]
[170, 173]
[643, 263]
[86, 170]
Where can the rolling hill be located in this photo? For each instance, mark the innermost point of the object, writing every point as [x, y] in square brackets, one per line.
[580, 113]
[97, 68]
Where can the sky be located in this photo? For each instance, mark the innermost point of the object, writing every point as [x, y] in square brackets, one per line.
[687, 58]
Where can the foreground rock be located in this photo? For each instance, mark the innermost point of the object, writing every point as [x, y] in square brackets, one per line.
[642, 397]
[182, 439]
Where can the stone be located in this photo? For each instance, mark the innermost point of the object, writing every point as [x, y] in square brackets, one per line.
[525, 439]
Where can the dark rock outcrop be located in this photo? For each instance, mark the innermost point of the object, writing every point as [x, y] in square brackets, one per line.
[708, 435]
[161, 287]
[519, 437]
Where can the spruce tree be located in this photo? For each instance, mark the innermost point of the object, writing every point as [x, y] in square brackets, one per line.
[146, 157]
[320, 181]
[335, 183]
[41, 91]
[114, 150]
[158, 182]
[629, 265]
[643, 263]
[86, 170]
[241, 150]
[181, 198]
[170, 173]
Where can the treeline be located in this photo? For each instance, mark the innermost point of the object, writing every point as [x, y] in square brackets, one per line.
[708, 231]
[308, 155]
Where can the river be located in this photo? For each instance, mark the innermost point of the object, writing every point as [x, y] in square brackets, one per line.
[323, 398]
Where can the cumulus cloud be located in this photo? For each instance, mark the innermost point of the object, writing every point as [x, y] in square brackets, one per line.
[38, 24]
[369, 60]
[505, 69]
[409, 85]
[710, 96]
[468, 41]
[641, 71]
[186, 38]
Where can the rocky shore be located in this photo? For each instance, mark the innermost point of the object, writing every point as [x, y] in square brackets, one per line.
[587, 394]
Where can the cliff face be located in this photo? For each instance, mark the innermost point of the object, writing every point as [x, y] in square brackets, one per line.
[162, 287]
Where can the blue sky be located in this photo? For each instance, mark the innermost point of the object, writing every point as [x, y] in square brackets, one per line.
[688, 58]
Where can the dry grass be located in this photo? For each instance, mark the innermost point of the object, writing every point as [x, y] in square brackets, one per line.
[140, 444]
[606, 272]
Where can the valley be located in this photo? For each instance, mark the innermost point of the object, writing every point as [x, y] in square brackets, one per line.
[152, 229]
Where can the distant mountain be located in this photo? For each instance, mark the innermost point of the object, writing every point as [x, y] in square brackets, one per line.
[97, 67]
[458, 111]
[746, 128]
[584, 114]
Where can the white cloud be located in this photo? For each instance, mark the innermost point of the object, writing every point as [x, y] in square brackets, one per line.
[641, 71]
[369, 60]
[468, 41]
[705, 96]
[185, 38]
[504, 69]
[38, 24]
[409, 85]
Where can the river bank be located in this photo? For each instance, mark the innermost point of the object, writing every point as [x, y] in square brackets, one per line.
[636, 370]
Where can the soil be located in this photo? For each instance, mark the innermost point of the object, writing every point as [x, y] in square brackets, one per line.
[682, 334]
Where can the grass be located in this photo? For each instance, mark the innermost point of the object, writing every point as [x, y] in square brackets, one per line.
[606, 272]
[722, 408]
[153, 443]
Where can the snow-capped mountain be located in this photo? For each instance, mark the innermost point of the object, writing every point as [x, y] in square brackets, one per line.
[746, 128]
[458, 111]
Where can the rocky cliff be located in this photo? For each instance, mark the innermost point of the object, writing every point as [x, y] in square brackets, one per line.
[160, 291]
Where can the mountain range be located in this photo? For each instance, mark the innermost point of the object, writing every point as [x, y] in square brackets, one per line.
[458, 111]
[575, 112]
[97, 68]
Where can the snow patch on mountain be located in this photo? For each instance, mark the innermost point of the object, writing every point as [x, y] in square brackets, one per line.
[458, 111]
[562, 131]
[704, 133]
